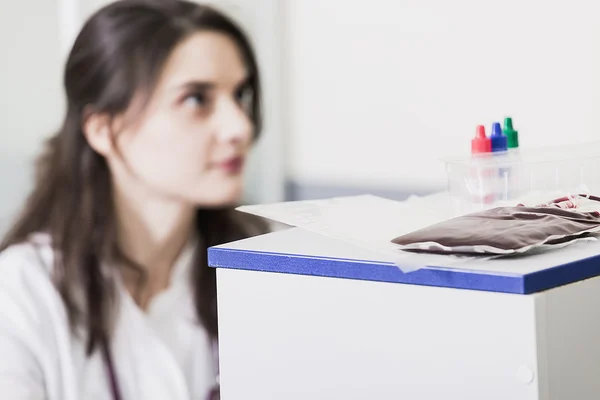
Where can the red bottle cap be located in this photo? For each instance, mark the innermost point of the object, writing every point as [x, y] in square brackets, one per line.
[481, 143]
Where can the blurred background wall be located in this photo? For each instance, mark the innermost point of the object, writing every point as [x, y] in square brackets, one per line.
[360, 96]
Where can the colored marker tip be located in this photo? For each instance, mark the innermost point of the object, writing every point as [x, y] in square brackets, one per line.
[480, 133]
[511, 134]
[496, 129]
[498, 138]
[480, 143]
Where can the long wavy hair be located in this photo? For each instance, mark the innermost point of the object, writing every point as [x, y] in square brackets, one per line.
[119, 52]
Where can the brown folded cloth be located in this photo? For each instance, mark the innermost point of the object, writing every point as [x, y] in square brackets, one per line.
[507, 228]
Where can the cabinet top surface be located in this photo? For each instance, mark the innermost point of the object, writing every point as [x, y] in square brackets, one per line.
[296, 251]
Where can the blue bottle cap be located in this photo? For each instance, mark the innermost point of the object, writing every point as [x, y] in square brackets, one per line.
[499, 140]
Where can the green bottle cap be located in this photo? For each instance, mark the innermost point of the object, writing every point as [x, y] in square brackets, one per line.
[512, 136]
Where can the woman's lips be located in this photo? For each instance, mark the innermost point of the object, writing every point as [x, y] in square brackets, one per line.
[232, 165]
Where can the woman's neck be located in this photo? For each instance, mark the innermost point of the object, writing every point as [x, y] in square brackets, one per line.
[152, 233]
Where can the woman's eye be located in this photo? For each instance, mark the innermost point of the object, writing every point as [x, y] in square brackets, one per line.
[244, 98]
[196, 100]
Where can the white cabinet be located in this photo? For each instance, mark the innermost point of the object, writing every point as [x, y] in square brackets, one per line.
[306, 317]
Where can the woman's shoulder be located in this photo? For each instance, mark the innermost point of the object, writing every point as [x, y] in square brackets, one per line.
[30, 258]
[28, 295]
[32, 321]
[37, 248]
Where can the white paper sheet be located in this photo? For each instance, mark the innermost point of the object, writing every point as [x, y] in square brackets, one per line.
[367, 221]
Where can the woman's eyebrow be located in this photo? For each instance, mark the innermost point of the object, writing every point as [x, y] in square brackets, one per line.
[197, 86]
[243, 82]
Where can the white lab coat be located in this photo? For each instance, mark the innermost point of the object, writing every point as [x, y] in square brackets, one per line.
[159, 354]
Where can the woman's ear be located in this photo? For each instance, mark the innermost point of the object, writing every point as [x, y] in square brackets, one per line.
[97, 129]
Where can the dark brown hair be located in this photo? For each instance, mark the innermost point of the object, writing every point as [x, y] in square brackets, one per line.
[120, 51]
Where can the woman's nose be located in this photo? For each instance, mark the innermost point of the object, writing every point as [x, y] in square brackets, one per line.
[234, 123]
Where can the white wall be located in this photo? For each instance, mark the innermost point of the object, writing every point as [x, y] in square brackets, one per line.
[382, 89]
[31, 105]
[30, 78]
[368, 94]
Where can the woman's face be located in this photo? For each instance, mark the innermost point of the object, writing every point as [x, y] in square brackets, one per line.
[191, 140]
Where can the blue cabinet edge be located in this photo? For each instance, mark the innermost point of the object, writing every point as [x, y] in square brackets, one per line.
[560, 275]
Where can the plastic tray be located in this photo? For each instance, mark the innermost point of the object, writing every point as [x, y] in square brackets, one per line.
[508, 178]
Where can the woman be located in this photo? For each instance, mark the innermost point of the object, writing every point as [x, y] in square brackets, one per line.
[104, 284]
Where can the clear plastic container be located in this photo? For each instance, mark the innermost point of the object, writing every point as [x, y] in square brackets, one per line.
[509, 178]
